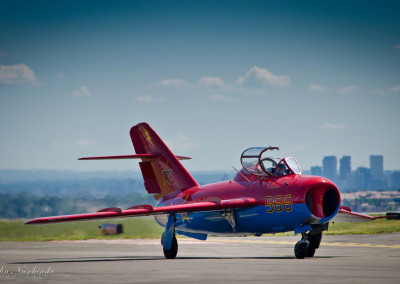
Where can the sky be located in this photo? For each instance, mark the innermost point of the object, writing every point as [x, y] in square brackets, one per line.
[212, 78]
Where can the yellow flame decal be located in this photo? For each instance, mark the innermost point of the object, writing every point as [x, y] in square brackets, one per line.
[148, 138]
[185, 217]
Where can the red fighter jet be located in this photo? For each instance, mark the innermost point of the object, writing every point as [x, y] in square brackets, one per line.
[268, 195]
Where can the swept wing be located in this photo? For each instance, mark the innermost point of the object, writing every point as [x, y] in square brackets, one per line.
[146, 210]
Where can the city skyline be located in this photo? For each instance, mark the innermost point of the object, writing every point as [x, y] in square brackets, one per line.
[345, 165]
[358, 178]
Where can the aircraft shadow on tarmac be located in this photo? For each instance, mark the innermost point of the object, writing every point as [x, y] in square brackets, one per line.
[142, 258]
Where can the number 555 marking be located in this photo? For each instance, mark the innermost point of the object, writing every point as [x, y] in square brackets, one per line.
[278, 203]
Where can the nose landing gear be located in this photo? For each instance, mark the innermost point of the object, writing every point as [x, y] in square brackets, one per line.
[301, 247]
[308, 244]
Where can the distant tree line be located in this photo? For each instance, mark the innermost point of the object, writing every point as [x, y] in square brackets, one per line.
[87, 187]
[27, 205]
[60, 183]
[37, 193]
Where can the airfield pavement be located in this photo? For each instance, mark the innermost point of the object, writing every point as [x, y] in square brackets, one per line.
[340, 259]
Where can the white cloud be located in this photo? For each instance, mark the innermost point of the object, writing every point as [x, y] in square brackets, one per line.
[17, 74]
[348, 90]
[82, 92]
[254, 81]
[178, 83]
[180, 142]
[257, 75]
[317, 88]
[219, 97]
[397, 46]
[149, 99]
[395, 89]
[211, 82]
[333, 126]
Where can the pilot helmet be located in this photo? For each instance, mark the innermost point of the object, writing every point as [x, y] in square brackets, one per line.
[281, 166]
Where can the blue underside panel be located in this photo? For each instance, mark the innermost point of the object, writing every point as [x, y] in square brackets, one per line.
[254, 220]
[201, 237]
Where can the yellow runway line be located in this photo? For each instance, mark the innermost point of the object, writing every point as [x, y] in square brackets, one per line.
[292, 243]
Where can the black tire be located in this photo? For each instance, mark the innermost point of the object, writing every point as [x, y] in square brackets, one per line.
[300, 249]
[310, 250]
[171, 254]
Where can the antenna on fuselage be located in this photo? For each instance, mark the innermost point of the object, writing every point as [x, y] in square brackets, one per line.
[241, 174]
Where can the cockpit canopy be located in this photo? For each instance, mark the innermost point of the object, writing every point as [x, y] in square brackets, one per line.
[258, 161]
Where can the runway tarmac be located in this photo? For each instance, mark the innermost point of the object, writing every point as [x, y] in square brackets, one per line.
[340, 259]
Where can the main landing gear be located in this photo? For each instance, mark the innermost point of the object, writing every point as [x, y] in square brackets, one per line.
[308, 244]
[171, 253]
[168, 238]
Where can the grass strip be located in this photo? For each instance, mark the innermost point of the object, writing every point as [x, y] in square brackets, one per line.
[134, 228]
[146, 227]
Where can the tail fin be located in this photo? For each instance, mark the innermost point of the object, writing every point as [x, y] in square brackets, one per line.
[162, 172]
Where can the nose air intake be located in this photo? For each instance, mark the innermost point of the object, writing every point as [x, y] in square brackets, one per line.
[322, 200]
[330, 202]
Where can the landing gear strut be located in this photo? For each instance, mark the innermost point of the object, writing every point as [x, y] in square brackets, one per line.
[309, 242]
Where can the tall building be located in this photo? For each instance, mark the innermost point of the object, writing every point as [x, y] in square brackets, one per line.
[362, 176]
[395, 180]
[376, 166]
[316, 171]
[345, 167]
[329, 166]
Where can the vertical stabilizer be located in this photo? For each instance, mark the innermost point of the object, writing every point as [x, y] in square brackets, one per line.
[162, 173]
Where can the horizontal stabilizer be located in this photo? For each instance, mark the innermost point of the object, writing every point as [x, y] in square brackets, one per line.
[145, 210]
[125, 157]
[345, 215]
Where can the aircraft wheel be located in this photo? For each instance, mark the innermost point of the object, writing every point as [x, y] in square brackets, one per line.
[310, 250]
[171, 254]
[300, 249]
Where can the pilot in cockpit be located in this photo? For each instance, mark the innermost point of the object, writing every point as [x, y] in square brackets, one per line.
[281, 171]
